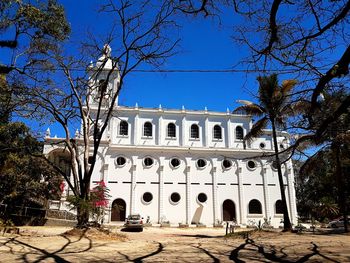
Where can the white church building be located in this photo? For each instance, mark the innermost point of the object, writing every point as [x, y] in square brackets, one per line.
[188, 167]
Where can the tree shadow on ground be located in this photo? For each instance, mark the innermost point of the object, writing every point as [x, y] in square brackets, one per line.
[198, 236]
[44, 254]
[140, 259]
[271, 253]
[215, 259]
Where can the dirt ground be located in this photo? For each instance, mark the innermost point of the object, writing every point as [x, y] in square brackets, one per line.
[47, 244]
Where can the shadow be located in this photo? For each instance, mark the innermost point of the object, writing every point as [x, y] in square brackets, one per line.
[199, 236]
[197, 215]
[125, 229]
[140, 259]
[215, 259]
[270, 253]
[45, 254]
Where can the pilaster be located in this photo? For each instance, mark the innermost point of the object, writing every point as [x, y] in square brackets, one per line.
[188, 194]
[266, 193]
[242, 206]
[133, 185]
[161, 191]
[215, 194]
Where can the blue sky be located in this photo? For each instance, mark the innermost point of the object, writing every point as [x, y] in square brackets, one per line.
[204, 45]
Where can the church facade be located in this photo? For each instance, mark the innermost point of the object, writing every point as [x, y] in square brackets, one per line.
[189, 167]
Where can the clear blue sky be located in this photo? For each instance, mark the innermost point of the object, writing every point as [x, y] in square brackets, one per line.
[204, 45]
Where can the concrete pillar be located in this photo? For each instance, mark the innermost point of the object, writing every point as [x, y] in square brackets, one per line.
[228, 133]
[215, 195]
[161, 130]
[188, 195]
[133, 185]
[266, 193]
[136, 127]
[205, 134]
[242, 206]
[183, 134]
[161, 192]
[291, 195]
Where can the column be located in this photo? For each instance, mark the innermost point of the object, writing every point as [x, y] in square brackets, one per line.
[291, 195]
[266, 193]
[242, 206]
[229, 133]
[136, 127]
[205, 134]
[188, 195]
[133, 185]
[161, 192]
[215, 195]
[160, 130]
[183, 136]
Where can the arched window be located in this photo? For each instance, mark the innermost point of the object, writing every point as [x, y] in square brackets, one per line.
[239, 133]
[171, 130]
[123, 128]
[147, 129]
[279, 207]
[217, 132]
[254, 207]
[194, 131]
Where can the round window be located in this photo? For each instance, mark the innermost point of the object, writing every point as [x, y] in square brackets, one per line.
[121, 161]
[202, 197]
[251, 164]
[175, 162]
[226, 164]
[201, 163]
[262, 145]
[148, 161]
[147, 197]
[274, 165]
[175, 198]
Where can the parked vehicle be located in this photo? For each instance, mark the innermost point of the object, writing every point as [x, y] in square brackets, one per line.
[339, 222]
[134, 222]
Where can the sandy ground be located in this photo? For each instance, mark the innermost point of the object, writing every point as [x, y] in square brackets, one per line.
[45, 244]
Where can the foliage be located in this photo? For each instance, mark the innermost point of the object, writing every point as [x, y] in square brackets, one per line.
[38, 25]
[274, 106]
[95, 205]
[24, 177]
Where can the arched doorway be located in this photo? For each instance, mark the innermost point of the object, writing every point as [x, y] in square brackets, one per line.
[228, 211]
[118, 210]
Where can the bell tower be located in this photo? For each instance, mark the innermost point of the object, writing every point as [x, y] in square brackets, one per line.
[104, 79]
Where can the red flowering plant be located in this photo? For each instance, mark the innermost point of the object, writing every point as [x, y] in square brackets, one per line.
[99, 201]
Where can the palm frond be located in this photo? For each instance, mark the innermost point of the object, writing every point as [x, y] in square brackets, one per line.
[245, 102]
[256, 130]
[287, 86]
[252, 109]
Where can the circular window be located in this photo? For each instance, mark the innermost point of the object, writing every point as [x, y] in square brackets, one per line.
[274, 165]
[262, 145]
[175, 162]
[226, 164]
[148, 161]
[202, 197]
[201, 163]
[175, 198]
[147, 197]
[120, 161]
[251, 165]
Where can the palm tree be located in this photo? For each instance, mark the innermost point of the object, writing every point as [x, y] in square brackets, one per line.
[274, 106]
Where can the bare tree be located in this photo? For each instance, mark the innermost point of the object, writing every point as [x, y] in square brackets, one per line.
[138, 36]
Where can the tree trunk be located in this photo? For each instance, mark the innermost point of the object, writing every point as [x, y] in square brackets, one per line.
[82, 215]
[340, 182]
[287, 226]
